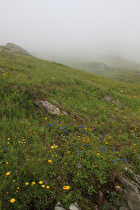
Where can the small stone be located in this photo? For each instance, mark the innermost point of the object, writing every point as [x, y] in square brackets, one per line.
[59, 206]
[101, 195]
[74, 206]
[2, 70]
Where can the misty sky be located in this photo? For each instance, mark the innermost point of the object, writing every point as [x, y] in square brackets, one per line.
[72, 27]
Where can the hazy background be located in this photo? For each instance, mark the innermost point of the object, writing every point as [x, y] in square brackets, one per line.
[72, 28]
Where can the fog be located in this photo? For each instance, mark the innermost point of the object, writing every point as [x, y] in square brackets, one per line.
[72, 28]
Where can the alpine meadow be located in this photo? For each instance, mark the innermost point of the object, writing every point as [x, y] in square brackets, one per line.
[75, 155]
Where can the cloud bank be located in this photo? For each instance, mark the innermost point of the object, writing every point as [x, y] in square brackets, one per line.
[70, 28]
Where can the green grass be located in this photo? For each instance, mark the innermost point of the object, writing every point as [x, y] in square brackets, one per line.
[85, 155]
[113, 68]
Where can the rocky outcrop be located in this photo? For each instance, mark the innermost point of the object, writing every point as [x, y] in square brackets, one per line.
[131, 192]
[16, 49]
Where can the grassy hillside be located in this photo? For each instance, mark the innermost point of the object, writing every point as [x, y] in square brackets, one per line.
[110, 67]
[49, 158]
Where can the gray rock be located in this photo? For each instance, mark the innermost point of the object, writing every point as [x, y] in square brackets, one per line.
[131, 192]
[101, 195]
[111, 100]
[137, 178]
[74, 206]
[16, 49]
[52, 109]
[108, 206]
[59, 206]
[2, 70]
[106, 97]
[123, 207]
[129, 184]
[132, 199]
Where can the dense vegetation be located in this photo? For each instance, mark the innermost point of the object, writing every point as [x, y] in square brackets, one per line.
[46, 158]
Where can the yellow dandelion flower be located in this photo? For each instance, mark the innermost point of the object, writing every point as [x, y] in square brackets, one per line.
[7, 163]
[50, 161]
[43, 186]
[17, 188]
[27, 183]
[40, 182]
[48, 187]
[8, 173]
[52, 147]
[98, 154]
[33, 183]
[12, 200]
[46, 118]
[66, 187]
[8, 139]
[118, 187]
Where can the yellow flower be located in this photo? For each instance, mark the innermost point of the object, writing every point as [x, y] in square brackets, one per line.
[66, 187]
[43, 186]
[8, 138]
[17, 188]
[47, 187]
[8, 173]
[26, 183]
[46, 118]
[50, 161]
[118, 187]
[52, 147]
[7, 163]
[98, 154]
[33, 183]
[40, 182]
[12, 200]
